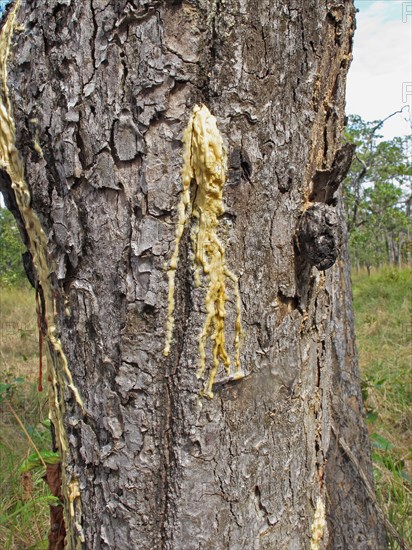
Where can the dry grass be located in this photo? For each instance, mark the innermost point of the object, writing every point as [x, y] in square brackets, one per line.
[24, 513]
[18, 332]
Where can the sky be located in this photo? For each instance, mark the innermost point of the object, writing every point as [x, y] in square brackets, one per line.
[380, 77]
[3, 5]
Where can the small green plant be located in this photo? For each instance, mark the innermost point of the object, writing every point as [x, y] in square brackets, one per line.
[7, 388]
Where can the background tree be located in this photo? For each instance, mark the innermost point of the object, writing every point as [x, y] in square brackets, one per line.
[96, 96]
[11, 250]
[378, 195]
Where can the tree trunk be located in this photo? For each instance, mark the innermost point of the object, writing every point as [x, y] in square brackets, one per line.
[100, 93]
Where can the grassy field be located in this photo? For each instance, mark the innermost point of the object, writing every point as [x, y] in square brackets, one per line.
[24, 496]
[383, 317]
[383, 308]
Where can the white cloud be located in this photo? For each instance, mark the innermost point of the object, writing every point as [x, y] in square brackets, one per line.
[380, 76]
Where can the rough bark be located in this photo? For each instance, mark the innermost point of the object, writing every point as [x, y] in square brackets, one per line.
[102, 92]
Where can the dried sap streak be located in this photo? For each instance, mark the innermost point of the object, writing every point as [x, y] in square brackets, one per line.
[11, 162]
[204, 162]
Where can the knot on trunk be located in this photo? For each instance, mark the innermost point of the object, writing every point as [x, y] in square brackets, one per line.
[319, 236]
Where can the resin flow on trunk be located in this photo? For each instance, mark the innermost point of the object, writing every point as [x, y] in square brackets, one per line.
[204, 163]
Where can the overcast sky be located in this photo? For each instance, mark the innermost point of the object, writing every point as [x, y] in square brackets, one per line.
[380, 77]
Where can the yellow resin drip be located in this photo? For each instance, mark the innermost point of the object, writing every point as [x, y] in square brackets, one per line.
[204, 162]
[11, 162]
[318, 525]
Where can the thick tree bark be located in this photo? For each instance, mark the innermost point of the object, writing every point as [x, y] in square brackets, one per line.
[102, 91]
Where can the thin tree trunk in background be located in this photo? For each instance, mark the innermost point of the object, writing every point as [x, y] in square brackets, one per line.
[393, 248]
[102, 92]
[388, 249]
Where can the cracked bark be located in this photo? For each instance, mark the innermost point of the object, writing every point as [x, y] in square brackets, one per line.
[108, 87]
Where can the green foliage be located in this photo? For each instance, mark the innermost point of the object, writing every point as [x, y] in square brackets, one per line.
[34, 461]
[11, 250]
[378, 195]
[383, 309]
[6, 389]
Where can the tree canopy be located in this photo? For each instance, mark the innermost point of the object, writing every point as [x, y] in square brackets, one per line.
[378, 195]
[11, 250]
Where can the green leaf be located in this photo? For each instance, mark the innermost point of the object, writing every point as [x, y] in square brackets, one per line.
[406, 477]
[371, 416]
[33, 461]
[4, 388]
[378, 458]
[380, 383]
[380, 442]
